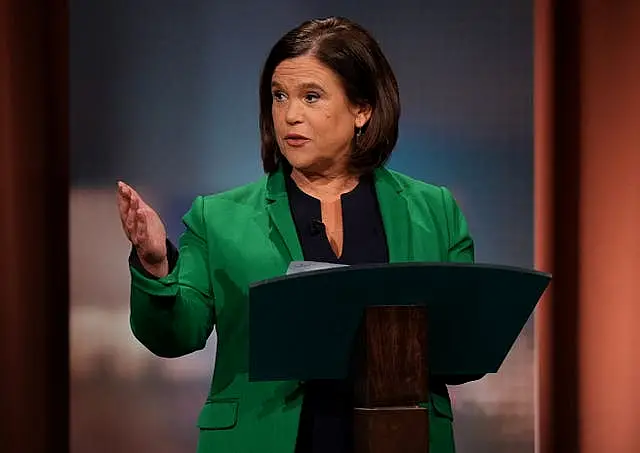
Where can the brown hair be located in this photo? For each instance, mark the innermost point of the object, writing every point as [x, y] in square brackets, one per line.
[353, 54]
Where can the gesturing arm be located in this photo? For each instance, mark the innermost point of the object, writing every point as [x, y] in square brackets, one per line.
[172, 310]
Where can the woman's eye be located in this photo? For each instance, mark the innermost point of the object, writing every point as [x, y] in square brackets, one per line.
[278, 96]
[311, 97]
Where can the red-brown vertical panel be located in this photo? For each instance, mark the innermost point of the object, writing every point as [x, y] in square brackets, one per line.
[543, 215]
[587, 216]
[609, 336]
[34, 226]
[557, 146]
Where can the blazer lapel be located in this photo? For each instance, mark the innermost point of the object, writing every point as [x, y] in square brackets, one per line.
[395, 215]
[277, 205]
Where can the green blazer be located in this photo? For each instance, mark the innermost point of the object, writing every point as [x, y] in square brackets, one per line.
[247, 234]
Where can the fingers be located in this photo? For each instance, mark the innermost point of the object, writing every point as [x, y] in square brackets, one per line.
[124, 190]
[140, 227]
[129, 190]
[124, 202]
[133, 214]
[130, 219]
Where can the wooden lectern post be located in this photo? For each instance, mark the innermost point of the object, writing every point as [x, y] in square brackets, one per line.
[391, 378]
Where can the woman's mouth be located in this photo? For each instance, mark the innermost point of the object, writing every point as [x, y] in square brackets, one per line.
[296, 140]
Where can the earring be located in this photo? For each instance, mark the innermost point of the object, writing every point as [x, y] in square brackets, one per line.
[358, 132]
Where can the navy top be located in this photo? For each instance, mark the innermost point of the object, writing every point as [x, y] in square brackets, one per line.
[327, 408]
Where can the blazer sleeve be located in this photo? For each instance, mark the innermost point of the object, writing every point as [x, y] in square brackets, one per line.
[461, 250]
[461, 246]
[174, 315]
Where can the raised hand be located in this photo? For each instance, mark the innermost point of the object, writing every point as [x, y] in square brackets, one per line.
[144, 228]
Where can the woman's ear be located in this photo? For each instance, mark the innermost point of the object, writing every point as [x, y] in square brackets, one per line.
[362, 115]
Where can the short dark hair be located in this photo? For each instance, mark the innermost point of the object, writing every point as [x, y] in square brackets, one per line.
[356, 58]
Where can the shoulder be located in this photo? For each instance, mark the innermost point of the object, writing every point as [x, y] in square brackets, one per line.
[412, 184]
[426, 200]
[247, 194]
[241, 200]
[435, 196]
[438, 205]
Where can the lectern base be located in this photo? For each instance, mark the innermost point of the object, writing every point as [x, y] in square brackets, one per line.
[391, 430]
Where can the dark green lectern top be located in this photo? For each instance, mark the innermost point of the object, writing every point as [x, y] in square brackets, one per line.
[303, 326]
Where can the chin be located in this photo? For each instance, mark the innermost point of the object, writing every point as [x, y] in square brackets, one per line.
[300, 160]
[316, 166]
[308, 159]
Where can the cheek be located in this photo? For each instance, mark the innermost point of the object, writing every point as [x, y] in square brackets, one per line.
[277, 117]
[327, 122]
[336, 127]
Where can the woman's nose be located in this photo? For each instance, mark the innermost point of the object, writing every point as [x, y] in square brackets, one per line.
[294, 112]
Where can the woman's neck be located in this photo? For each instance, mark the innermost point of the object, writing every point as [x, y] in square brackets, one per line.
[327, 186]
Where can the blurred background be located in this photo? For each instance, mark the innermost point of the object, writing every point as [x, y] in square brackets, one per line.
[164, 97]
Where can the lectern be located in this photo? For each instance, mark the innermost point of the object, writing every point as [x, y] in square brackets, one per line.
[389, 328]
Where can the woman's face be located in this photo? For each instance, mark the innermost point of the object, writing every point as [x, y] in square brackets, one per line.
[313, 119]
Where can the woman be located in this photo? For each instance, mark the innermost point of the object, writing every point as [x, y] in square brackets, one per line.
[329, 110]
